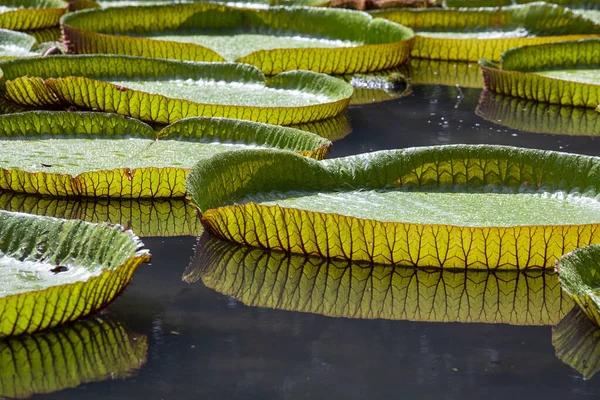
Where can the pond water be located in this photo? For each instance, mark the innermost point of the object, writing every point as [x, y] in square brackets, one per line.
[204, 344]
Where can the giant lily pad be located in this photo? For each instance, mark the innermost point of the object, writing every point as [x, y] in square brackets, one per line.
[446, 73]
[24, 15]
[579, 274]
[84, 154]
[577, 343]
[165, 91]
[561, 73]
[468, 34]
[15, 44]
[56, 271]
[157, 217]
[66, 357]
[275, 39]
[345, 289]
[458, 206]
[531, 116]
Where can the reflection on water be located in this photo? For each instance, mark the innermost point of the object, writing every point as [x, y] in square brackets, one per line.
[86, 351]
[341, 289]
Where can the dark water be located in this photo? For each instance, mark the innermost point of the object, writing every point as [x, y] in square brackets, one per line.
[203, 344]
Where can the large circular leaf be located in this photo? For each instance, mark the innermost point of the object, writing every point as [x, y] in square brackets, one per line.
[459, 206]
[164, 91]
[24, 15]
[275, 39]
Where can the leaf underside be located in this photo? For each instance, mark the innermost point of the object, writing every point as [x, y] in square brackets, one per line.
[446, 73]
[239, 194]
[351, 290]
[528, 24]
[517, 75]
[67, 154]
[87, 351]
[92, 83]
[368, 44]
[104, 254]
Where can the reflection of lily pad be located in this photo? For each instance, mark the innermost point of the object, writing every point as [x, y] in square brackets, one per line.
[562, 73]
[56, 271]
[470, 34]
[379, 86]
[577, 343]
[341, 289]
[275, 39]
[24, 15]
[531, 116]
[87, 351]
[84, 154]
[579, 274]
[333, 129]
[446, 73]
[164, 91]
[433, 206]
[158, 217]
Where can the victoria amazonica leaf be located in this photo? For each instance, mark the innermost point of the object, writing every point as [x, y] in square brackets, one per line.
[463, 206]
[333, 129]
[22, 15]
[106, 155]
[91, 350]
[275, 39]
[579, 274]
[55, 271]
[164, 91]
[15, 44]
[563, 73]
[345, 289]
[531, 116]
[468, 34]
[156, 217]
[375, 87]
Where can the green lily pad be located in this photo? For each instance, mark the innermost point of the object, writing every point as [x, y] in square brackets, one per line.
[22, 15]
[15, 44]
[577, 343]
[579, 274]
[439, 206]
[85, 154]
[275, 39]
[333, 129]
[464, 34]
[562, 73]
[164, 91]
[87, 351]
[56, 271]
[352, 290]
[531, 116]
[147, 218]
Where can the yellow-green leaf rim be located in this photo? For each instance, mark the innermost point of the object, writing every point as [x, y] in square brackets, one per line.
[228, 187]
[32, 14]
[381, 44]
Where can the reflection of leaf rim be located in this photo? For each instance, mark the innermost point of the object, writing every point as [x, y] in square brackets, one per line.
[512, 76]
[30, 312]
[454, 49]
[143, 182]
[219, 183]
[334, 288]
[69, 80]
[89, 350]
[88, 37]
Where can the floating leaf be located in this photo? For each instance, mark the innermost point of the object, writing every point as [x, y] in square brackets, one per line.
[465, 34]
[333, 129]
[579, 274]
[275, 39]
[87, 351]
[379, 86]
[164, 91]
[446, 73]
[352, 290]
[439, 206]
[47, 35]
[84, 154]
[158, 217]
[531, 116]
[22, 15]
[56, 271]
[577, 343]
[15, 44]
[562, 73]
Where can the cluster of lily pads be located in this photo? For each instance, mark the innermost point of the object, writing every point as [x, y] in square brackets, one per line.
[148, 113]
